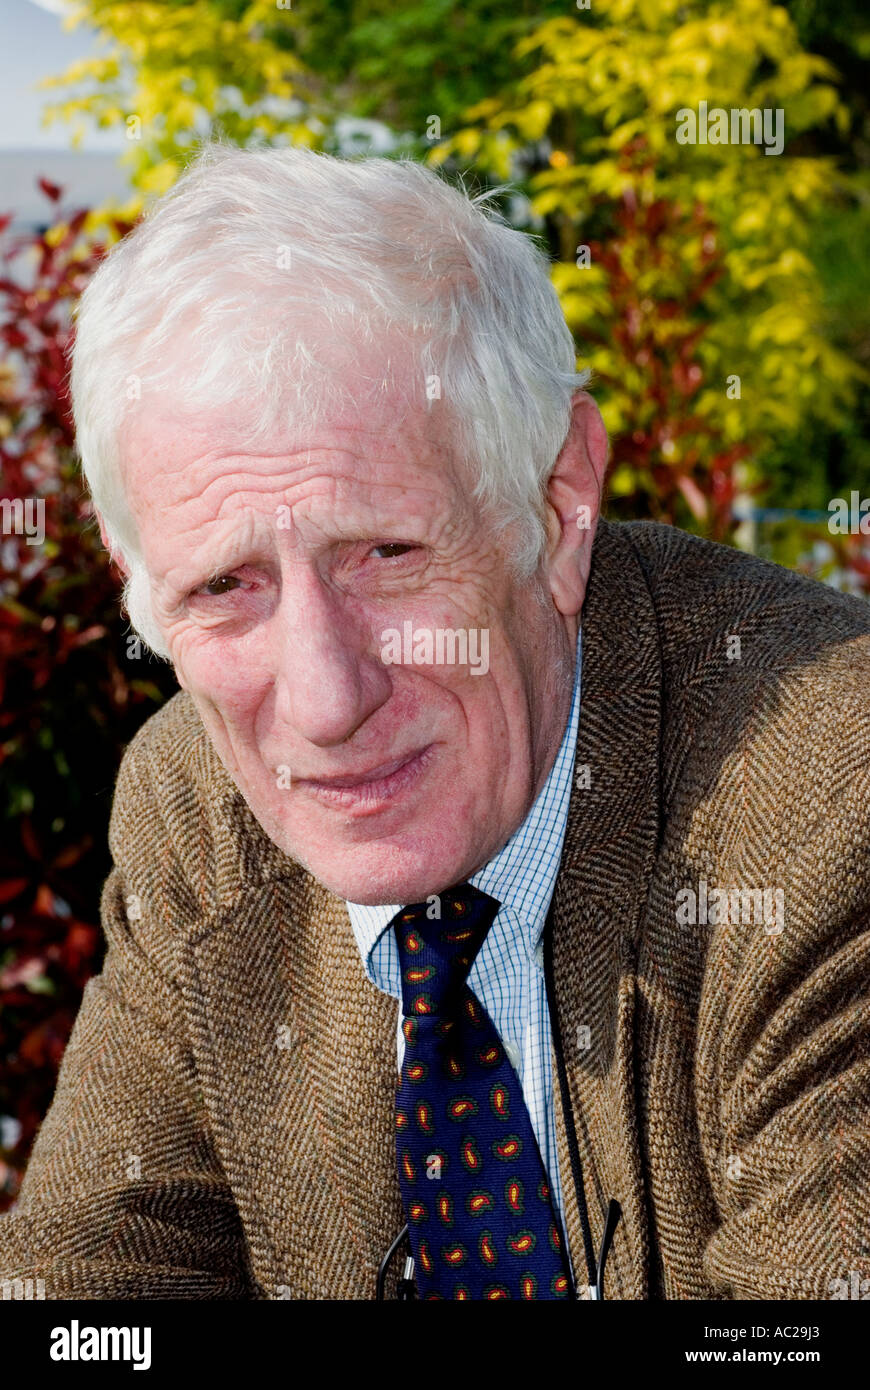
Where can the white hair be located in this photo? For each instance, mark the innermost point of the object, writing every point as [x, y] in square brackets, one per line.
[255, 257]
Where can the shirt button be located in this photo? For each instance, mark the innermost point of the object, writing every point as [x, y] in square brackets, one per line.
[513, 1055]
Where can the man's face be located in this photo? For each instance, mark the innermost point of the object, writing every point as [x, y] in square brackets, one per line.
[387, 777]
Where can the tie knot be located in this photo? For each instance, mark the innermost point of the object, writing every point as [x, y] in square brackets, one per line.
[438, 940]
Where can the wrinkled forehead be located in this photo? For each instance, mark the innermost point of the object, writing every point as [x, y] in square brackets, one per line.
[373, 441]
[381, 464]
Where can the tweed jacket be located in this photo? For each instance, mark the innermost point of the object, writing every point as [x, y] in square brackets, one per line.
[222, 1126]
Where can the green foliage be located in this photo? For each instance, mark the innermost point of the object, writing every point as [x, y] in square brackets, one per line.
[253, 71]
[172, 74]
[618, 75]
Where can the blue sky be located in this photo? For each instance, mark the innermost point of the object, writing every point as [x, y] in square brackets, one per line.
[33, 45]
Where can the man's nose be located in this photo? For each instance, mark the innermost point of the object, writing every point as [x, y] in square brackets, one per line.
[329, 677]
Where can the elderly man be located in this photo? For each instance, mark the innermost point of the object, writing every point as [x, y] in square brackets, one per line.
[426, 913]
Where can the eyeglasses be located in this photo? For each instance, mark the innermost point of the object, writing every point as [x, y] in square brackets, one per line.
[406, 1288]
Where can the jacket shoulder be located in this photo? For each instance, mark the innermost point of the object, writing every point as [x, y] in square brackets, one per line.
[180, 829]
[706, 594]
[761, 668]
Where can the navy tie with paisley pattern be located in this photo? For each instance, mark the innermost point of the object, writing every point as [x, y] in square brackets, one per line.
[477, 1197]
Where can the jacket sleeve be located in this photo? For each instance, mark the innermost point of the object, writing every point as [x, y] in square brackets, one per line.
[783, 1065]
[124, 1197]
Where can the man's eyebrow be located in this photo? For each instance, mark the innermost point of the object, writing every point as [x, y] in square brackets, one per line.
[259, 540]
[247, 541]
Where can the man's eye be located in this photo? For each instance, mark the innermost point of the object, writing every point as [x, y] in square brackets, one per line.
[221, 584]
[393, 549]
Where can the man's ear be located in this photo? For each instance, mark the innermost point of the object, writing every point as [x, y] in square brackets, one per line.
[574, 497]
[115, 554]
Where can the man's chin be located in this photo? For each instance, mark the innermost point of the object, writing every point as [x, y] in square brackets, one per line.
[399, 863]
[384, 874]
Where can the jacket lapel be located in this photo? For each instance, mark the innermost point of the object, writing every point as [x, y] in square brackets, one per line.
[296, 1052]
[599, 900]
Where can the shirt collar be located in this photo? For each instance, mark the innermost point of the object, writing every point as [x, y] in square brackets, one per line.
[522, 874]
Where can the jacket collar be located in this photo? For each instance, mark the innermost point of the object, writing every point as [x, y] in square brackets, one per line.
[296, 1048]
[599, 903]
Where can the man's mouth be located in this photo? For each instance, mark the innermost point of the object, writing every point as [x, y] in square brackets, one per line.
[370, 789]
